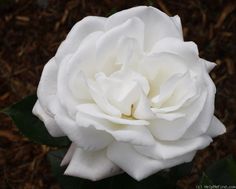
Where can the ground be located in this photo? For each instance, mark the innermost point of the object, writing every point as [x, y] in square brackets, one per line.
[30, 33]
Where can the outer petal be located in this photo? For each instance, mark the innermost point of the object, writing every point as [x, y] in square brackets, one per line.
[107, 45]
[158, 25]
[48, 121]
[87, 138]
[91, 165]
[173, 149]
[177, 21]
[69, 154]
[82, 60]
[137, 165]
[79, 31]
[209, 65]
[203, 121]
[48, 84]
[216, 128]
[187, 50]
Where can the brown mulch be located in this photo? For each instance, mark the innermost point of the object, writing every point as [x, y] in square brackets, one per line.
[30, 32]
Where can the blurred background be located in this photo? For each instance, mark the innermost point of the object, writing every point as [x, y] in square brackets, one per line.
[30, 33]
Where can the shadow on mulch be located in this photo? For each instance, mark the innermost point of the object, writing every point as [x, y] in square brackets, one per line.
[31, 31]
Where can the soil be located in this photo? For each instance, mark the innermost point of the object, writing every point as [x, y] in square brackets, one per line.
[30, 33]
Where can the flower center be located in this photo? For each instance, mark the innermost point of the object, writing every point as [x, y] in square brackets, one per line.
[124, 90]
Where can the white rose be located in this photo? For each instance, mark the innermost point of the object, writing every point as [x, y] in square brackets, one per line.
[130, 94]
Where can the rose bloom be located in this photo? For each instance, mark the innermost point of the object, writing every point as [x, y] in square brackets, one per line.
[130, 94]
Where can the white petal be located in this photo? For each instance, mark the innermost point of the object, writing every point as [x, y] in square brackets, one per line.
[216, 128]
[185, 92]
[158, 25]
[91, 165]
[100, 99]
[203, 120]
[69, 154]
[157, 68]
[65, 96]
[79, 31]
[130, 75]
[142, 110]
[139, 166]
[107, 45]
[84, 59]
[120, 90]
[94, 111]
[187, 50]
[48, 84]
[209, 65]
[169, 116]
[134, 134]
[177, 21]
[78, 86]
[87, 138]
[174, 130]
[173, 149]
[166, 89]
[128, 52]
[116, 93]
[81, 61]
[48, 121]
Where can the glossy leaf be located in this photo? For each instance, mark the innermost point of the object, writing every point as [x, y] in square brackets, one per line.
[205, 180]
[221, 172]
[30, 126]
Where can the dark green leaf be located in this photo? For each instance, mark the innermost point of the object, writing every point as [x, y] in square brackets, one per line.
[231, 166]
[111, 12]
[205, 180]
[221, 172]
[181, 170]
[164, 179]
[30, 126]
